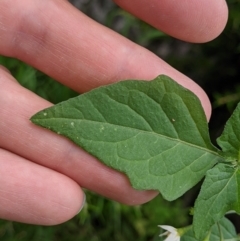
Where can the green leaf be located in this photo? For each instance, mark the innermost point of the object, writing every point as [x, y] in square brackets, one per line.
[154, 131]
[229, 141]
[219, 193]
[223, 229]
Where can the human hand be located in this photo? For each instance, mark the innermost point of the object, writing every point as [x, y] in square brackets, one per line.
[41, 172]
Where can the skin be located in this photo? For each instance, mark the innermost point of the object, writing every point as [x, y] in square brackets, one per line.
[42, 173]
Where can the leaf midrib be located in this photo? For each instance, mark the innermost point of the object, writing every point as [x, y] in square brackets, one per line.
[127, 127]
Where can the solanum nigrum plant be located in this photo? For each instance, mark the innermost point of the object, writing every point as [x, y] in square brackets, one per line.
[156, 132]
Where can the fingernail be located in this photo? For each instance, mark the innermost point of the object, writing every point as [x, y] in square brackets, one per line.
[83, 203]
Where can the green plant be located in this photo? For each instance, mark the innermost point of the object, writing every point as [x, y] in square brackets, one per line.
[213, 65]
[101, 218]
[156, 132]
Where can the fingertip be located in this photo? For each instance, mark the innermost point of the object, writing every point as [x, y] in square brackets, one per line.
[207, 106]
[69, 200]
[36, 194]
[140, 197]
[195, 21]
[211, 22]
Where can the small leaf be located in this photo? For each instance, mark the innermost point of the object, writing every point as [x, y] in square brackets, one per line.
[219, 193]
[229, 141]
[154, 131]
[224, 228]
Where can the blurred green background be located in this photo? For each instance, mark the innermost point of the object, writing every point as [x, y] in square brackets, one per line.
[215, 66]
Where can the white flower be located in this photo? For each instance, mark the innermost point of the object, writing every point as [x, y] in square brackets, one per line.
[171, 233]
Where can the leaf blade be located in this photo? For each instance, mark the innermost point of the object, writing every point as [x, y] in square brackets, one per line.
[219, 194]
[229, 141]
[160, 120]
[226, 227]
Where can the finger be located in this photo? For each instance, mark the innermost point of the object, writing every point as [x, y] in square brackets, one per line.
[189, 20]
[56, 38]
[41, 146]
[4, 69]
[31, 193]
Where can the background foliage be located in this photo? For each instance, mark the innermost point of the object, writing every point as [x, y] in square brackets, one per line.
[214, 65]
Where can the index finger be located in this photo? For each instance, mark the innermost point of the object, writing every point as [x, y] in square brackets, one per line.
[189, 20]
[57, 39]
